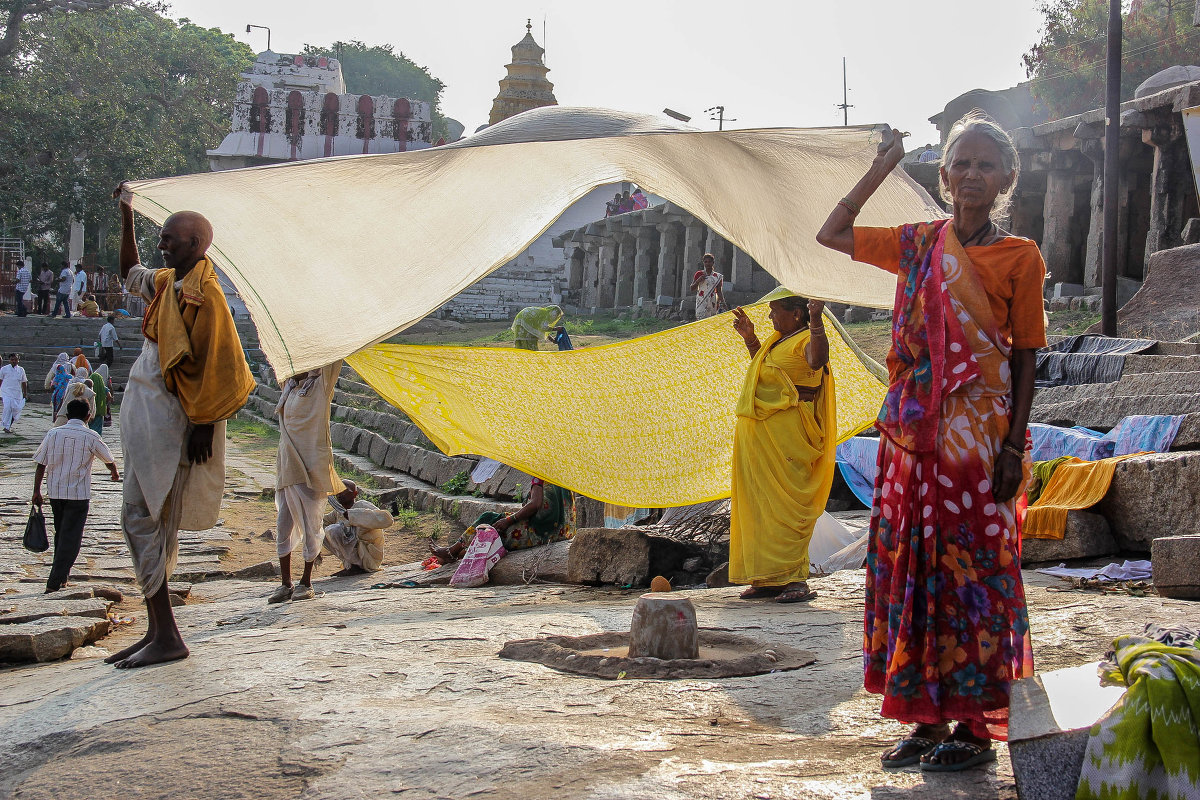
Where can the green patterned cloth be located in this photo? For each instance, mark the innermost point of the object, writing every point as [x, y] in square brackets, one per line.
[1148, 745]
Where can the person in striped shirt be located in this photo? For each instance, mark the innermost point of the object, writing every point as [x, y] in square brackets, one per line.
[64, 460]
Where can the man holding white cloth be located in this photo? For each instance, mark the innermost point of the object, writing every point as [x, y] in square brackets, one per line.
[191, 376]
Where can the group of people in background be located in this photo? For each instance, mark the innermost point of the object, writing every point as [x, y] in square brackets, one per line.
[69, 288]
[624, 202]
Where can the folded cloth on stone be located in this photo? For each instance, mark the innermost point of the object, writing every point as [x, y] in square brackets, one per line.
[1125, 571]
[1074, 485]
[1051, 442]
[1085, 359]
[646, 423]
[1042, 471]
[469, 207]
[1148, 744]
[1143, 433]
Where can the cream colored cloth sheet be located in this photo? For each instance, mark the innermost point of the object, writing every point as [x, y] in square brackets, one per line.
[305, 450]
[307, 243]
[646, 423]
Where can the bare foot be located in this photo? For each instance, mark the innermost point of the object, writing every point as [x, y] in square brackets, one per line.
[443, 554]
[155, 653]
[128, 651]
[353, 569]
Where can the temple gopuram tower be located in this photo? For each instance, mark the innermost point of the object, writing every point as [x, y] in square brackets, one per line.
[525, 86]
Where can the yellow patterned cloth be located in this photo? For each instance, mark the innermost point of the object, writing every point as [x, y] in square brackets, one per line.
[646, 423]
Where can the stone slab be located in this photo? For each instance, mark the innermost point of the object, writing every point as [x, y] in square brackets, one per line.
[1087, 535]
[1153, 496]
[30, 610]
[606, 556]
[1175, 562]
[48, 639]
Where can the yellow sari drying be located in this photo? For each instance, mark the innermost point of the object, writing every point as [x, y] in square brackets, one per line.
[783, 461]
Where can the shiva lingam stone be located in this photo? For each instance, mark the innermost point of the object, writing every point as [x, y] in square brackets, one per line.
[664, 626]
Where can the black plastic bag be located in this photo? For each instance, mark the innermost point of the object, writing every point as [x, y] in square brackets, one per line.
[35, 531]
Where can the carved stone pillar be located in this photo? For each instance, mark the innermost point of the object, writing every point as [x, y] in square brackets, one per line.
[1056, 231]
[741, 273]
[668, 270]
[607, 273]
[644, 264]
[1170, 188]
[591, 276]
[693, 249]
[625, 268]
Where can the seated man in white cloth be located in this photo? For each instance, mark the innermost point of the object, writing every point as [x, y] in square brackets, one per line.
[190, 377]
[354, 532]
[304, 474]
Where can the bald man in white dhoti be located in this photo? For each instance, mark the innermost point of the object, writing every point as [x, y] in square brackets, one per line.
[354, 532]
[304, 474]
[191, 376]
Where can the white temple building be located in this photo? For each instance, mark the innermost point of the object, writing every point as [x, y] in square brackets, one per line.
[295, 107]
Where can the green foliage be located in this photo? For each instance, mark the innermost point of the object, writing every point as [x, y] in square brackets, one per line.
[1067, 64]
[458, 484]
[251, 430]
[94, 99]
[407, 516]
[381, 70]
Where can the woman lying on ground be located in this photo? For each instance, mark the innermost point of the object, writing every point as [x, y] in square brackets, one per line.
[783, 451]
[946, 627]
[548, 516]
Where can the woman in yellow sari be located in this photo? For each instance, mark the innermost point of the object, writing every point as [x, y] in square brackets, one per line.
[783, 451]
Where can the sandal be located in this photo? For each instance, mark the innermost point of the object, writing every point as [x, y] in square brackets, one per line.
[916, 747]
[977, 754]
[760, 592]
[800, 594]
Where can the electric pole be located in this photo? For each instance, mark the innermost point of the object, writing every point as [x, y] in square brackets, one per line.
[720, 117]
[845, 106]
[1112, 144]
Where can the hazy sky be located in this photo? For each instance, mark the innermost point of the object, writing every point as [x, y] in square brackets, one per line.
[770, 63]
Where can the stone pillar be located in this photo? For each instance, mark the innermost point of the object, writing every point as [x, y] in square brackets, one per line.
[606, 273]
[1056, 231]
[719, 247]
[643, 265]
[625, 267]
[1169, 187]
[591, 276]
[693, 249]
[668, 271]
[1095, 237]
[741, 273]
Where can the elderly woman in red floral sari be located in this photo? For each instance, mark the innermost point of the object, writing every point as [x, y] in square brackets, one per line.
[946, 626]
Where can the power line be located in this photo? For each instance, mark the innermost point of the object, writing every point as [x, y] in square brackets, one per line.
[1135, 51]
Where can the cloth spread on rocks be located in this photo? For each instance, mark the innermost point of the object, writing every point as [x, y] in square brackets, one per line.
[1085, 359]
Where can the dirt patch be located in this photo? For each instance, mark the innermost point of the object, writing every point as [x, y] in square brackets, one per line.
[605, 655]
[222, 756]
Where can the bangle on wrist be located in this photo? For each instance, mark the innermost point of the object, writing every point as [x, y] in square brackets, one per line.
[1019, 452]
[851, 206]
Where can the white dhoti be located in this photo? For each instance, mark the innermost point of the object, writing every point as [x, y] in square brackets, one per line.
[12, 409]
[355, 535]
[163, 492]
[299, 519]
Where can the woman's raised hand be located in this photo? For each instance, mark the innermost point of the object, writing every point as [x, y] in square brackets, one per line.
[891, 148]
[815, 307]
[742, 324]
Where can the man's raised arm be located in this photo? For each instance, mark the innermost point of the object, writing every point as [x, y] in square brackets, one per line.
[129, 248]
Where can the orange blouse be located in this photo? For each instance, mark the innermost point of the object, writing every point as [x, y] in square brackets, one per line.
[1011, 270]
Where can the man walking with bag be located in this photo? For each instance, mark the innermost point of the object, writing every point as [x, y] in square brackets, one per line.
[64, 459]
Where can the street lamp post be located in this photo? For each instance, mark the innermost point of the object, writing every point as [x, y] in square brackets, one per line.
[265, 28]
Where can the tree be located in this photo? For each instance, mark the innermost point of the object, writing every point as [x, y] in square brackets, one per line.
[381, 70]
[98, 98]
[1066, 66]
[16, 13]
